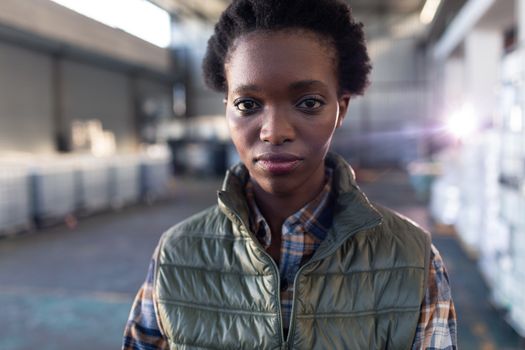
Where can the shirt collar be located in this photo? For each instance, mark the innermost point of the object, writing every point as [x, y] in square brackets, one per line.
[350, 210]
[314, 219]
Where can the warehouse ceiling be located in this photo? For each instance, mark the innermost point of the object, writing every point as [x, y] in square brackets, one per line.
[383, 7]
[382, 18]
[210, 9]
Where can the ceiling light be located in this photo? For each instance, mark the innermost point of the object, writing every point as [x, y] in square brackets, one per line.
[429, 11]
[140, 18]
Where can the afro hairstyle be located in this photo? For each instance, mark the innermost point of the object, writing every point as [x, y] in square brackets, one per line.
[330, 19]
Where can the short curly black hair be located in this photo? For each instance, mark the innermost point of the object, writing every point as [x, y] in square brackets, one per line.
[331, 19]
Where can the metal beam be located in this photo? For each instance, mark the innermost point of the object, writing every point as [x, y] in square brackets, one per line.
[466, 19]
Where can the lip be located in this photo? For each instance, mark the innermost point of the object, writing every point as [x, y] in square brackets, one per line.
[278, 163]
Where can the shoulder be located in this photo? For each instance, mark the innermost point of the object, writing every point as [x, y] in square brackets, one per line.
[402, 236]
[210, 221]
[399, 226]
[210, 218]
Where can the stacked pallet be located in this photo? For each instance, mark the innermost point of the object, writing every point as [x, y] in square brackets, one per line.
[44, 190]
[92, 184]
[15, 210]
[155, 177]
[53, 188]
[124, 180]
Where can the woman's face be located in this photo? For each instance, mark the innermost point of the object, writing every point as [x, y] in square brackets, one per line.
[282, 107]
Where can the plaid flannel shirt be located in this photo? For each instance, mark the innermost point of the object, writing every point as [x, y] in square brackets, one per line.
[302, 233]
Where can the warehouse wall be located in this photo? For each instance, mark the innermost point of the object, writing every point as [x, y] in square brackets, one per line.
[91, 92]
[26, 113]
[384, 126]
[61, 66]
[124, 102]
[193, 36]
[154, 105]
[149, 87]
[155, 98]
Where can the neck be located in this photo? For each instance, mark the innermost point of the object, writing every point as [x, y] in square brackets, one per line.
[276, 208]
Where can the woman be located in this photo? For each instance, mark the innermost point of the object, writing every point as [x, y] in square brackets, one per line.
[293, 256]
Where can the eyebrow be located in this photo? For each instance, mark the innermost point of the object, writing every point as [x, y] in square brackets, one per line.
[298, 85]
[304, 84]
[246, 88]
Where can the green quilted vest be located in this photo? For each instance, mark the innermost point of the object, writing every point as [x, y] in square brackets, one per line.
[216, 288]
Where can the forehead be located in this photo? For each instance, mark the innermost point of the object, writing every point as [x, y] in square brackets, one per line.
[282, 58]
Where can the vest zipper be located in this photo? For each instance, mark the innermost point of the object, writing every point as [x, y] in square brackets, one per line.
[285, 343]
[291, 330]
[277, 274]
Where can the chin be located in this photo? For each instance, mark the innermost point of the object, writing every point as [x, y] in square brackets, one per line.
[279, 185]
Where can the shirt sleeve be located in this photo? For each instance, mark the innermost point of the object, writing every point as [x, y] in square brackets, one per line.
[143, 331]
[437, 324]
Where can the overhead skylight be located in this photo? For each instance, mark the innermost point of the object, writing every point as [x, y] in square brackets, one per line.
[140, 18]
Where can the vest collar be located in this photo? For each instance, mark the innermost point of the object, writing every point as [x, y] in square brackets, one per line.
[231, 198]
[352, 210]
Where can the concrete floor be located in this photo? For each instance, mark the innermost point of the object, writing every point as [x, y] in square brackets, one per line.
[66, 288]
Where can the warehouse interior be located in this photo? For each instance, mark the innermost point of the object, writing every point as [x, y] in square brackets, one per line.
[108, 137]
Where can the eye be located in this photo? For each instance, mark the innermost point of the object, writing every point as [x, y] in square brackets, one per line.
[246, 105]
[310, 103]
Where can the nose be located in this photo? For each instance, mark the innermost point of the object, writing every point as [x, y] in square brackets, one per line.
[277, 128]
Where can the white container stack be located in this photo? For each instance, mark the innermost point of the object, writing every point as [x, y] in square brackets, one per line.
[53, 188]
[124, 180]
[472, 184]
[15, 208]
[45, 190]
[155, 177]
[512, 184]
[93, 184]
[477, 181]
[517, 296]
[445, 196]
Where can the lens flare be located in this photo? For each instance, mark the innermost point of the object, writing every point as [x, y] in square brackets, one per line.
[463, 123]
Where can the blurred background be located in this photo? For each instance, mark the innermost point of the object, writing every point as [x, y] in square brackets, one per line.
[108, 137]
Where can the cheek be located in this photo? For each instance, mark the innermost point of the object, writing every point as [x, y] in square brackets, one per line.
[319, 141]
[240, 134]
[319, 135]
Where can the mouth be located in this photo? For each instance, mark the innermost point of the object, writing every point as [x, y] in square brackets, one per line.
[278, 163]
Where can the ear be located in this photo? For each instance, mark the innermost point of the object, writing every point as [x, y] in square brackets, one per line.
[343, 102]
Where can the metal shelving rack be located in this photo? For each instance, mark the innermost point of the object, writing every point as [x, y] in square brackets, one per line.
[489, 172]
[509, 286]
